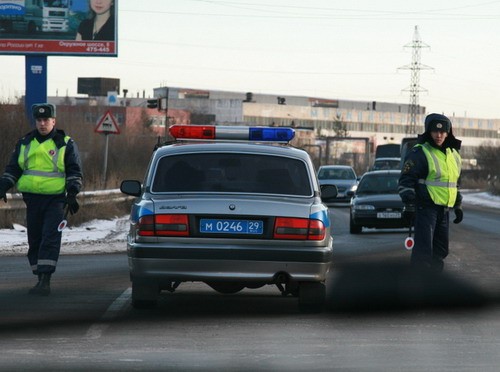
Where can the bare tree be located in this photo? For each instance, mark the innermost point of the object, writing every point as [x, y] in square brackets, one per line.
[13, 126]
[340, 127]
[488, 159]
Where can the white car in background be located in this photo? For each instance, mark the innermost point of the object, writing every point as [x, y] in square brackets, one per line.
[342, 176]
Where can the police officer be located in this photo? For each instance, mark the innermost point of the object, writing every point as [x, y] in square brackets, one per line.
[46, 168]
[428, 187]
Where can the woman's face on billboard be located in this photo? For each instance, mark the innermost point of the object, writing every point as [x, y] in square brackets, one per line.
[101, 6]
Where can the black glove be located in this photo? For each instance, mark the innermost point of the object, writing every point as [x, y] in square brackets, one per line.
[409, 212]
[72, 203]
[459, 215]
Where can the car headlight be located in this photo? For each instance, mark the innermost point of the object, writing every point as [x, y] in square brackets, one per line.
[364, 207]
[353, 188]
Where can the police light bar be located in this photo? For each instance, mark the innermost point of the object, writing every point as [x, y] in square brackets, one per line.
[219, 132]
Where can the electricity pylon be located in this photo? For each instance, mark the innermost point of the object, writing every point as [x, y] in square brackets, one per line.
[415, 67]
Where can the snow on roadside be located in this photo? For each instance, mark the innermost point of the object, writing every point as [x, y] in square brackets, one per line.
[481, 198]
[97, 236]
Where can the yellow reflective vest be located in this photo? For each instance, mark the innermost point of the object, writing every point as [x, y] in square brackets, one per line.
[444, 171]
[43, 167]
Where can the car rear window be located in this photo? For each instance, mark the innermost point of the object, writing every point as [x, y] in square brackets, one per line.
[336, 174]
[378, 184]
[231, 172]
[386, 164]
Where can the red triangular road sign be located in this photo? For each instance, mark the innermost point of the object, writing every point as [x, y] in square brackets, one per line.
[107, 124]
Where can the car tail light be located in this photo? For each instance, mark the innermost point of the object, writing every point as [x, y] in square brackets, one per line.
[299, 229]
[164, 225]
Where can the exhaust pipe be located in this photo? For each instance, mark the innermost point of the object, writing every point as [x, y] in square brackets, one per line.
[281, 278]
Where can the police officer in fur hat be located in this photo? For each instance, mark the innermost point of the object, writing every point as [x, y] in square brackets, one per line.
[429, 189]
[46, 168]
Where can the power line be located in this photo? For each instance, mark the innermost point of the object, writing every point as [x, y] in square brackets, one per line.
[280, 7]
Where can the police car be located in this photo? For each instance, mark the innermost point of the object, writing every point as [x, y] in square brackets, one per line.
[232, 206]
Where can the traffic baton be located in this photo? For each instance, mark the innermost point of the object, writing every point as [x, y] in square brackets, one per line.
[409, 242]
[62, 225]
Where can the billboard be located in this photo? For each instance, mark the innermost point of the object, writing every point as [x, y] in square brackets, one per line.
[59, 27]
[97, 87]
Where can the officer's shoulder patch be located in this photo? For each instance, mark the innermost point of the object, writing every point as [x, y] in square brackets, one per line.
[408, 165]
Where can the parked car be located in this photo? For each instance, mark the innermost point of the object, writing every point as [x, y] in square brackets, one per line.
[235, 213]
[388, 150]
[376, 202]
[386, 164]
[342, 176]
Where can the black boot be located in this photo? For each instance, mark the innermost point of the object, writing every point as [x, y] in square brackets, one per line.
[35, 288]
[43, 287]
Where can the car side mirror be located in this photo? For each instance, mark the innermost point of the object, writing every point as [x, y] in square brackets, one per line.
[329, 192]
[131, 187]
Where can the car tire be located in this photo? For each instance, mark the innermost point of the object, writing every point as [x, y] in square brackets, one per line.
[143, 304]
[312, 296]
[353, 228]
[32, 28]
[292, 288]
[144, 294]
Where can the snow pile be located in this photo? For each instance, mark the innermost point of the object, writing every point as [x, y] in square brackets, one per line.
[97, 236]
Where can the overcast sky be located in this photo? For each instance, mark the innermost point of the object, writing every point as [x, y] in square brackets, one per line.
[323, 48]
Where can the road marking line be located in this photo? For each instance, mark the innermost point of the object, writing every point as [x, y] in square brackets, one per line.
[96, 330]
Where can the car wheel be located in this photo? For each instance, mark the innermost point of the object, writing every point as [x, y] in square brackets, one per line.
[353, 228]
[144, 294]
[312, 297]
[32, 28]
[226, 287]
[292, 288]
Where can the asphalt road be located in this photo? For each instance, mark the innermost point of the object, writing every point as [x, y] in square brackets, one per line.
[379, 316]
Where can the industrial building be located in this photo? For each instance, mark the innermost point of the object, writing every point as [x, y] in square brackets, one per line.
[366, 124]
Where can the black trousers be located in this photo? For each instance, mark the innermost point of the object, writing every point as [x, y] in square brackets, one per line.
[431, 237]
[43, 215]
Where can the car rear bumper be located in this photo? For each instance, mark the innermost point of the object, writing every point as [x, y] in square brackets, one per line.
[231, 264]
[374, 222]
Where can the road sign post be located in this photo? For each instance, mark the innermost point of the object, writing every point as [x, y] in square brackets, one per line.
[36, 83]
[106, 125]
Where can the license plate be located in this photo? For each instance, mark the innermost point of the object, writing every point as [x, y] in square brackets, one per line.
[231, 226]
[388, 215]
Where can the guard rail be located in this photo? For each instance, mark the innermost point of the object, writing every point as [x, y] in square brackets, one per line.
[100, 202]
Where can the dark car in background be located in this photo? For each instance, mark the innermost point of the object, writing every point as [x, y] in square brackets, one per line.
[386, 164]
[376, 202]
[342, 176]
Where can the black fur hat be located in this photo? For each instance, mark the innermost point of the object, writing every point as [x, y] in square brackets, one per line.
[43, 110]
[437, 123]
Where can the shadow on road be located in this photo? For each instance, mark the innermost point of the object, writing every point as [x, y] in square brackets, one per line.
[375, 287]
